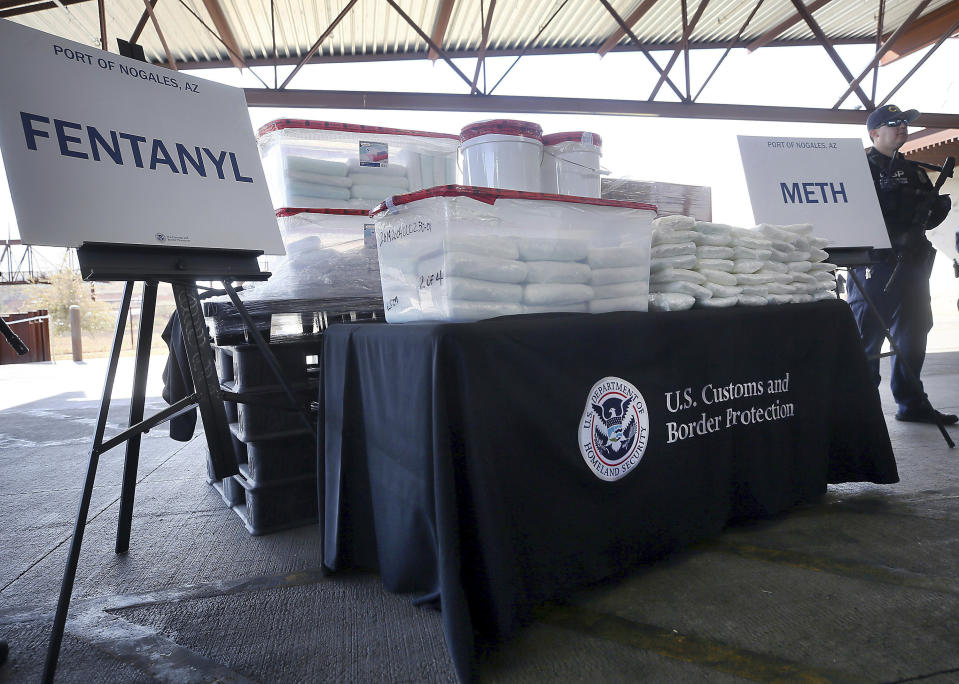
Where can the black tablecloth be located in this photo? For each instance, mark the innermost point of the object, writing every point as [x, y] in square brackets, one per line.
[452, 461]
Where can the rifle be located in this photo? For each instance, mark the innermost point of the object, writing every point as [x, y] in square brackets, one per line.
[945, 172]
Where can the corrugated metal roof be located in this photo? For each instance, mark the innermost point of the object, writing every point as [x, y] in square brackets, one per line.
[373, 29]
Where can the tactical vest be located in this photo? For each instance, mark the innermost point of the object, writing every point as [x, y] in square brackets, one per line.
[897, 181]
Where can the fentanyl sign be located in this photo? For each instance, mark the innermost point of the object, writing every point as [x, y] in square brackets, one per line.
[822, 181]
[102, 148]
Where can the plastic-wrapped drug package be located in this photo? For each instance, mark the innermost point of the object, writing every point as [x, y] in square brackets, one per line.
[670, 198]
[330, 273]
[460, 253]
[323, 164]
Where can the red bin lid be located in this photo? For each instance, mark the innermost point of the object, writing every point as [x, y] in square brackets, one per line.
[286, 212]
[527, 129]
[584, 137]
[282, 124]
[490, 195]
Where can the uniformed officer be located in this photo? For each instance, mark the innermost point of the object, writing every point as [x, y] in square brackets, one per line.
[910, 207]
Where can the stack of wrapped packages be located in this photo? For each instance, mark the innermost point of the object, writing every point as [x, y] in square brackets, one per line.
[331, 165]
[712, 265]
[321, 183]
[485, 277]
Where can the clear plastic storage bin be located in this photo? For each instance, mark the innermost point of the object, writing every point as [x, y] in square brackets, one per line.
[460, 253]
[323, 164]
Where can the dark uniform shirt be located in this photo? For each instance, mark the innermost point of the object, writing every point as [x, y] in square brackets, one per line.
[905, 197]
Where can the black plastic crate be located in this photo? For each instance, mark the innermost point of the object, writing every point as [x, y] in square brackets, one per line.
[276, 506]
[269, 460]
[232, 415]
[239, 452]
[251, 370]
[224, 363]
[232, 491]
[256, 422]
[277, 490]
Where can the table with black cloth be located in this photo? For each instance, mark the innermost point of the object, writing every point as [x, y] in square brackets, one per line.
[450, 453]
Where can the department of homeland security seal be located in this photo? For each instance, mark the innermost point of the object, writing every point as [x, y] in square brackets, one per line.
[614, 428]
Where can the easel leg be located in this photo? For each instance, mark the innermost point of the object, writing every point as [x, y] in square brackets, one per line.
[70, 573]
[137, 401]
[205, 380]
[885, 327]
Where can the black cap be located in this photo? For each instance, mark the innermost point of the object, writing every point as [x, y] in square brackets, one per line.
[889, 113]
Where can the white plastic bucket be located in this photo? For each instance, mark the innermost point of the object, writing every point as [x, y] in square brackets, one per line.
[572, 168]
[509, 162]
[502, 153]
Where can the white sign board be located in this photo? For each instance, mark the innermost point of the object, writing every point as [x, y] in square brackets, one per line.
[822, 181]
[101, 148]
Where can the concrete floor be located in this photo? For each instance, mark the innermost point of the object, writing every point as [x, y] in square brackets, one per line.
[862, 587]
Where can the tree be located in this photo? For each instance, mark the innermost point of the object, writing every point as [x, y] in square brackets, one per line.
[66, 288]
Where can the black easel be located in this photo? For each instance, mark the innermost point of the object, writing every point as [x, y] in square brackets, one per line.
[852, 257]
[182, 268]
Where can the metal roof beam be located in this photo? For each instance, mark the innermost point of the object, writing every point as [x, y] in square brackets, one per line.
[482, 53]
[770, 35]
[102, 16]
[729, 47]
[91, 38]
[922, 61]
[144, 18]
[923, 32]
[883, 50]
[319, 41]
[875, 68]
[232, 51]
[9, 4]
[619, 33]
[444, 102]
[341, 58]
[687, 29]
[429, 41]
[440, 26]
[831, 51]
[156, 25]
[636, 41]
[222, 24]
[922, 140]
[13, 8]
[526, 49]
[683, 47]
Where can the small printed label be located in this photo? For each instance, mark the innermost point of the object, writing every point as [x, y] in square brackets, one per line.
[375, 154]
[164, 237]
[369, 235]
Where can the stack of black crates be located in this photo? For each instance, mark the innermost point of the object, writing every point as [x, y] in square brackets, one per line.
[276, 486]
